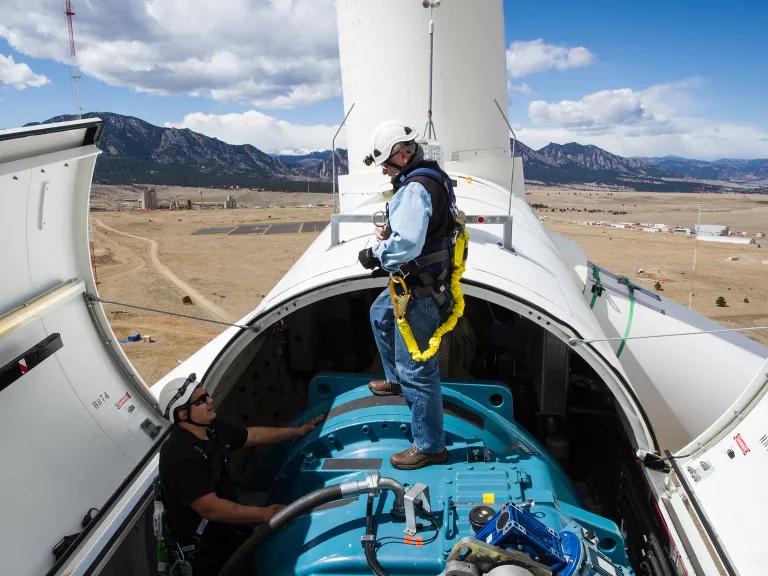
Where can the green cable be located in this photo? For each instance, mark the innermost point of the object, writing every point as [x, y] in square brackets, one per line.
[162, 557]
[597, 288]
[624, 280]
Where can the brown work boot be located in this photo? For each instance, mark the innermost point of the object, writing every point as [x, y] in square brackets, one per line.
[413, 458]
[385, 388]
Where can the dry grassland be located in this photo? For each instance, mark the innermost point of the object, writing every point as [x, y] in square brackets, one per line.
[230, 273]
[736, 272]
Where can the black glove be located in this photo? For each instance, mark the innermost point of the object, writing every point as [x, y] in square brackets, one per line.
[368, 260]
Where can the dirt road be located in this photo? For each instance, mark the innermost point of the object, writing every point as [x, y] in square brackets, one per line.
[166, 272]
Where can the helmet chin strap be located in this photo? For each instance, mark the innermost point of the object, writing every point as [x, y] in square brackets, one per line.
[189, 420]
[417, 157]
[198, 424]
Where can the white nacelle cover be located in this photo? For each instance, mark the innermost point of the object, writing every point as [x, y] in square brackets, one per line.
[75, 419]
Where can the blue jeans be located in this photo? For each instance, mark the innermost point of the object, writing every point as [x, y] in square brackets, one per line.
[420, 381]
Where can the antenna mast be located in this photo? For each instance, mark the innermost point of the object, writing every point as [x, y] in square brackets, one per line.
[73, 57]
[429, 128]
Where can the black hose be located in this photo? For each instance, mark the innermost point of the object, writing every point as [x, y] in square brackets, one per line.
[373, 562]
[432, 520]
[234, 566]
[369, 543]
[660, 555]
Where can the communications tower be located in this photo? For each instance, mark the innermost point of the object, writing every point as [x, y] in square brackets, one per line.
[75, 74]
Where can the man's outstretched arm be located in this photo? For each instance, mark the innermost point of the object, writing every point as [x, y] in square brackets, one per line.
[211, 507]
[263, 435]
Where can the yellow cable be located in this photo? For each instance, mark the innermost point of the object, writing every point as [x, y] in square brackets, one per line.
[459, 264]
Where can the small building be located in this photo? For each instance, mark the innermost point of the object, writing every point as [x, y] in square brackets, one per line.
[149, 199]
[727, 239]
[711, 230]
[682, 231]
[651, 229]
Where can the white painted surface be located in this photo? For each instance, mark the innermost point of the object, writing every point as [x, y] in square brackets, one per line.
[726, 239]
[732, 491]
[469, 73]
[684, 382]
[65, 444]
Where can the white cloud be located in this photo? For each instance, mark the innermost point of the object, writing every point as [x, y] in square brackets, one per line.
[529, 57]
[265, 132]
[270, 53]
[523, 89]
[653, 122]
[594, 111]
[19, 75]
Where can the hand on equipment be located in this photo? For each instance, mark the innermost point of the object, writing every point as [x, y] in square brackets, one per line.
[309, 426]
[382, 233]
[368, 260]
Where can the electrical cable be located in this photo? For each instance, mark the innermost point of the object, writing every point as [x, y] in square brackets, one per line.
[657, 462]
[92, 298]
[369, 540]
[575, 341]
[383, 541]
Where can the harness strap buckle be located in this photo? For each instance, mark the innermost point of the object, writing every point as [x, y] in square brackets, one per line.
[399, 301]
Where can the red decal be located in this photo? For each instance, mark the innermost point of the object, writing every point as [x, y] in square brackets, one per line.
[119, 404]
[741, 443]
[23, 368]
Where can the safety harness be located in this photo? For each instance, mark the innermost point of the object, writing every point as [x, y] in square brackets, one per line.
[431, 271]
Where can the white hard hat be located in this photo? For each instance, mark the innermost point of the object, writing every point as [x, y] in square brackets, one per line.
[385, 136]
[176, 393]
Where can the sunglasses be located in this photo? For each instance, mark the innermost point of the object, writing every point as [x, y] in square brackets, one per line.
[201, 400]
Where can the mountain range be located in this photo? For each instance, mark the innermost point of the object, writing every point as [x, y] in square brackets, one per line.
[577, 163]
[135, 151]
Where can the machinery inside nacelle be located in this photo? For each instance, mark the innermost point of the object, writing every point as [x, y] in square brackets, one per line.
[537, 449]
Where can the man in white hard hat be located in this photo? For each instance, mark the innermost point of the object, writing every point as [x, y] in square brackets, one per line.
[416, 244]
[202, 513]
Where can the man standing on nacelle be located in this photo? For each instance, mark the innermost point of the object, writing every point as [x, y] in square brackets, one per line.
[415, 245]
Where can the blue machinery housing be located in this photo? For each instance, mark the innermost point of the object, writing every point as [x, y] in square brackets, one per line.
[531, 518]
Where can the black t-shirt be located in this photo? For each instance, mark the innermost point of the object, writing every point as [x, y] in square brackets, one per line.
[191, 468]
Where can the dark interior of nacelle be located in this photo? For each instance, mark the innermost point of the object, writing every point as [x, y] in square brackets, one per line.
[557, 397]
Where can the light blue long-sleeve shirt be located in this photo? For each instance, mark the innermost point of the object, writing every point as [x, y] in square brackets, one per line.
[409, 214]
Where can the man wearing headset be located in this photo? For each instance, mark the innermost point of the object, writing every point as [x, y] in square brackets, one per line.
[202, 512]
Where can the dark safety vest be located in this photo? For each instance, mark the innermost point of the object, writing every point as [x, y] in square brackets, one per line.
[432, 265]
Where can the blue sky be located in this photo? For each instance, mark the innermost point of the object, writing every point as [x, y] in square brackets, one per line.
[646, 79]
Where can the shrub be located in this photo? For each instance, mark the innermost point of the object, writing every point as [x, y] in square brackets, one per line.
[746, 300]
[720, 302]
[658, 286]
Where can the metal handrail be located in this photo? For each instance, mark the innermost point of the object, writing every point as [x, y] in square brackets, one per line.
[333, 155]
[505, 220]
